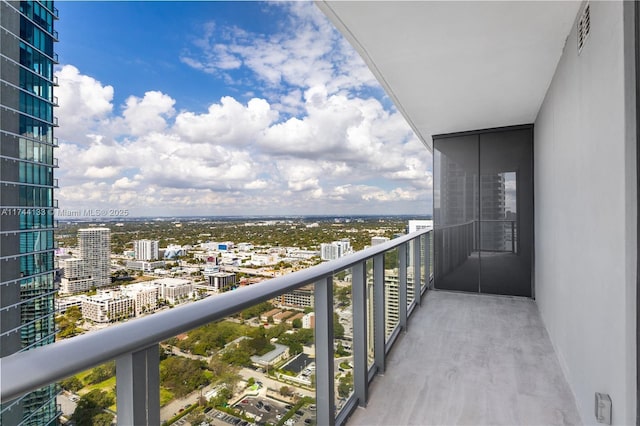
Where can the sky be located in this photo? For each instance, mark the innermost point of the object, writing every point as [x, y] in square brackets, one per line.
[226, 108]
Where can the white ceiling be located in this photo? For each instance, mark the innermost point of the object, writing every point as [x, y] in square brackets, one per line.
[453, 66]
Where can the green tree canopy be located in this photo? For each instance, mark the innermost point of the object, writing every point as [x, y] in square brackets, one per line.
[72, 384]
[101, 373]
[89, 410]
[182, 375]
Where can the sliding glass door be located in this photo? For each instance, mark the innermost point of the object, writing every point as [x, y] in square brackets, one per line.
[483, 211]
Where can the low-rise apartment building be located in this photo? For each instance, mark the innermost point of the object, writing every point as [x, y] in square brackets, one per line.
[107, 306]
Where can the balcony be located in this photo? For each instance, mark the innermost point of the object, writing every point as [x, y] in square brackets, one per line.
[457, 68]
[471, 359]
[447, 358]
[135, 344]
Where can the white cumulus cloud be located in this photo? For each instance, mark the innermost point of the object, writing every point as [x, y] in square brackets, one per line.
[149, 113]
[84, 104]
[311, 136]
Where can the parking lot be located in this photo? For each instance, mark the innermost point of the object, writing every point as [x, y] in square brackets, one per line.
[267, 410]
[219, 418]
[262, 410]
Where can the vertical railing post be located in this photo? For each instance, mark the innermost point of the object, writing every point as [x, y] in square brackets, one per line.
[427, 258]
[402, 285]
[379, 328]
[360, 359]
[417, 269]
[138, 387]
[325, 399]
[513, 233]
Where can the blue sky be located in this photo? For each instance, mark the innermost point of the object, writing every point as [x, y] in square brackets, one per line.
[220, 108]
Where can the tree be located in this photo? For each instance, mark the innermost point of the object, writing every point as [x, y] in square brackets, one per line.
[296, 323]
[89, 410]
[237, 356]
[286, 391]
[103, 419]
[251, 382]
[345, 386]
[101, 373]
[343, 295]
[74, 313]
[196, 417]
[221, 398]
[217, 366]
[338, 329]
[182, 375]
[340, 350]
[72, 384]
[67, 327]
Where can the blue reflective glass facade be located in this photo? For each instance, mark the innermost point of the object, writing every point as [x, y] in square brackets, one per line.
[27, 276]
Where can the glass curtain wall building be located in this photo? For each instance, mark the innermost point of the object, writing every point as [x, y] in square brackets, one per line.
[27, 274]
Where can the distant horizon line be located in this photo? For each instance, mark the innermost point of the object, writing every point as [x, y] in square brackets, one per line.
[275, 216]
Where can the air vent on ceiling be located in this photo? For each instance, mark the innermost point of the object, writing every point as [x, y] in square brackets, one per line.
[584, 25]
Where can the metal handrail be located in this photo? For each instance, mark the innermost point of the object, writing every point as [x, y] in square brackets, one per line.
[27, 371]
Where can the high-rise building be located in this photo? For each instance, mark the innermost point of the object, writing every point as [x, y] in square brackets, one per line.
[336, 249]
[392, 298]
[146, 249]
[94, 245]
[75, 278]
[27, 286]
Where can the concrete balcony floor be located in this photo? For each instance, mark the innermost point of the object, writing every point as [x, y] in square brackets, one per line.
[471, 359]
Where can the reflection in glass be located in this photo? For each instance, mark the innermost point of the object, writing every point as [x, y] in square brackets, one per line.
[343, 336]
[370, 316]
[391, 292]
[456, 213]
[506, 212]
[410, 270]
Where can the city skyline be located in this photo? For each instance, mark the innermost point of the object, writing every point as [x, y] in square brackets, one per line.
[226, 109]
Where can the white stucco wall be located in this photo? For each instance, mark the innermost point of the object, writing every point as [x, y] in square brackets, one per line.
[585, 218]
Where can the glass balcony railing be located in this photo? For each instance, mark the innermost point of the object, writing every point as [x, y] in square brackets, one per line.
[360, 303]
